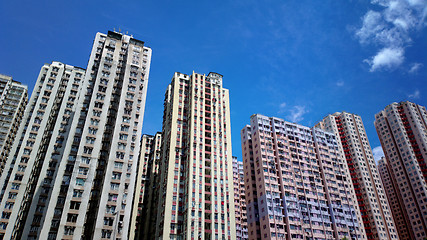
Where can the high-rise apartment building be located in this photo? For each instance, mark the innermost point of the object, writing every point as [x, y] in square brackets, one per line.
[73, 175]
[40, 136]
[353, 141]
[298, 185]
[13, 100]
[145, 198]
[196, 170]
[240, 200]
[402, 129]
[401, 220]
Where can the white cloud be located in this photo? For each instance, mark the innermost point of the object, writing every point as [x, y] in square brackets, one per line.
[415, 67]
[415, 94]
[296, 113]
[340, 83]
[386, 58]
[372, 24]
[282, 107]
[378, 153]
[390, 29]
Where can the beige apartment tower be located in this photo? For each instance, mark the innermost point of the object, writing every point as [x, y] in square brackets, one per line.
[240, 200]
[196, 169]
[40, 136]
[402, 129]
[13, 100]
[353, 141]
[74, 175]
[297, 182]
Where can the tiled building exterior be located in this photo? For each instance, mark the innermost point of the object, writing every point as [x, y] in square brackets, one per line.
[196, 172]
[76, 176]
[402, 130]
[353, 141]
[240, 200]
[298, 185]
[41, 135]
[145, 198]
[13, 100]
[401, 220]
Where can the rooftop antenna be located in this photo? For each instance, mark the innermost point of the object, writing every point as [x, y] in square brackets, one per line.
[120, 30]
[114, 29]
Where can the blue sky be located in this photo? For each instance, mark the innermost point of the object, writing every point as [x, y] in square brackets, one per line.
[297, 60]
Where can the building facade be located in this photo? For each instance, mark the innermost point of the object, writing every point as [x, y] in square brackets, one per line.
[77, 171]
[371, 197]
[13, 100]
[40, 136]
[402, 131]
[297, 183]
[196, 170]
[144, 204]
[401, 220]
[240, 200]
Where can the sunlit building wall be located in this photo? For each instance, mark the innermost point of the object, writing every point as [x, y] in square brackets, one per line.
[240, 200]
[298, 185]
[196, 199]
[371, 197]
[13, 100]
[402, 129]
[78, 159]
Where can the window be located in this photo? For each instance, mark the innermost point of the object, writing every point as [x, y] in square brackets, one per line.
[72, 217]
[80, 181]
[116, 175]
[90, 140]
[12, 195]
[123, 137]
[126, 119]
[130, 95]
[94, 122]
[8, 205]
[96, 113]
[120, 155]
[18, 177]
[69, 230]
[3, 226]
[15, 186]
[114, 186]
[87, 150]
[5, 215]
[121, 146]
[93, 131]
[108, 221]
[106, 233]
[124, 128]
[75, 205]
[118, 165]
[85, 160]
[83, 170]
[112, 197]
[111, 209]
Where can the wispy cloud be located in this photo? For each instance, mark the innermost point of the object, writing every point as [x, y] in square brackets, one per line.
[390, 29]
[415, 94]
[378, 153]
[296, 113]
[340, 83]
[415, 67]
[282, 107]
